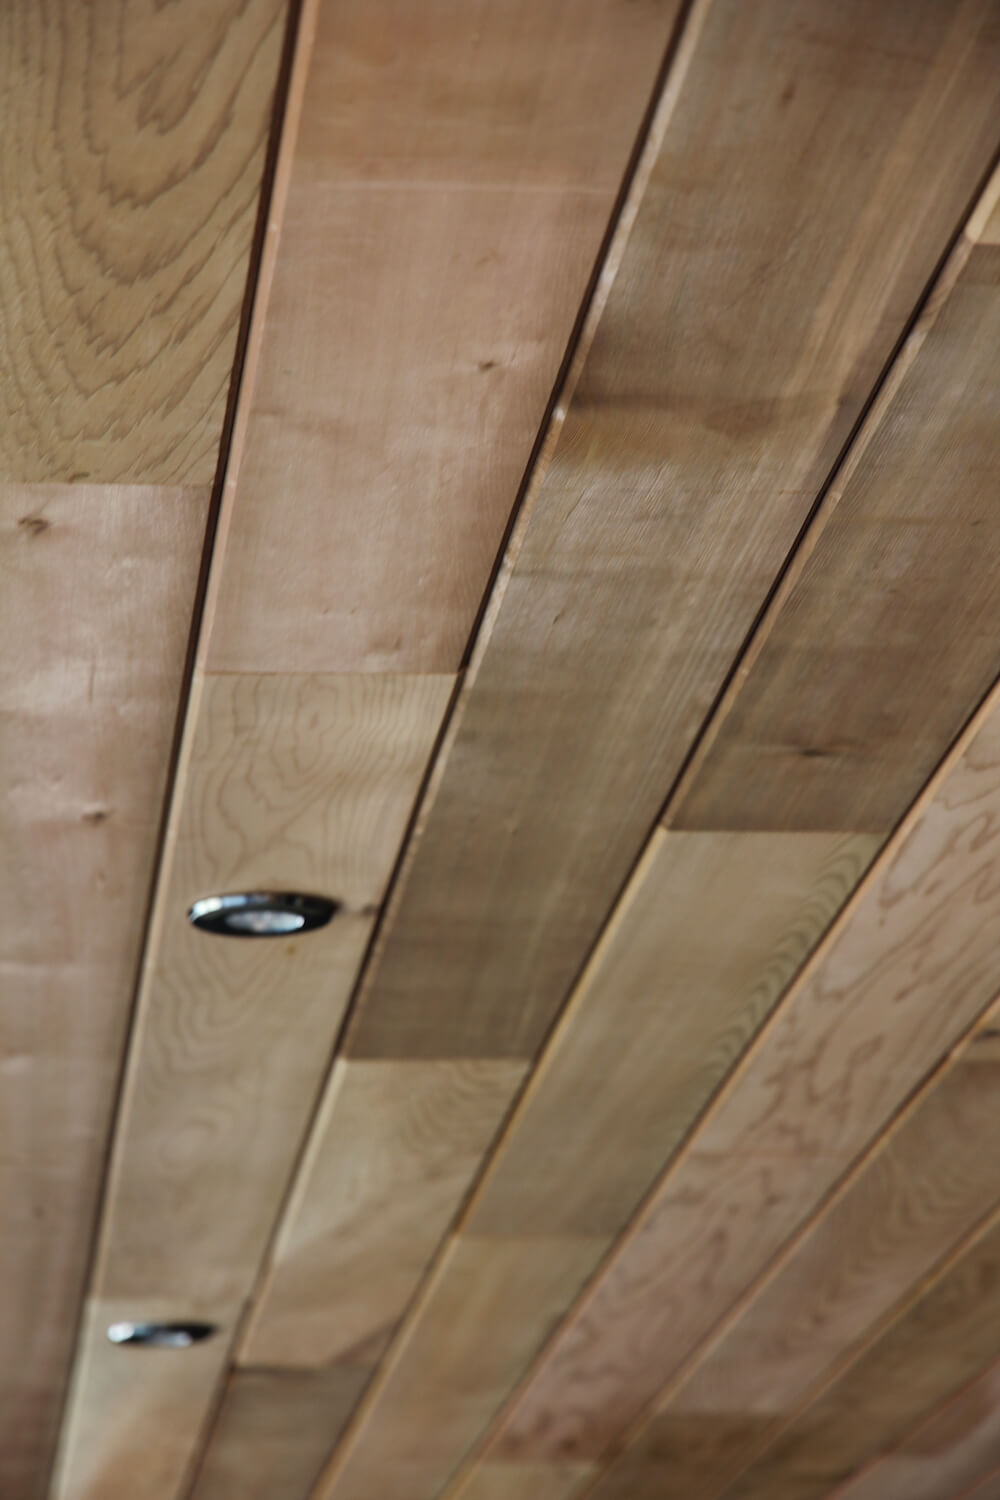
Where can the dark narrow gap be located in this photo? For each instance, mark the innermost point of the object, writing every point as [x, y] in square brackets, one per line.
[211, 528]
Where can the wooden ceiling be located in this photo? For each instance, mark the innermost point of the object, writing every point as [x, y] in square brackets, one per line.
[528, 470]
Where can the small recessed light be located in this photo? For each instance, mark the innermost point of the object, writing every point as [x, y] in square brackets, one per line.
[261, 913]
[160, 1335]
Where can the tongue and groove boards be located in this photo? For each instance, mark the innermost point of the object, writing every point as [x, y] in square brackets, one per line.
[131, 160]
[442, 190]
[720, 372]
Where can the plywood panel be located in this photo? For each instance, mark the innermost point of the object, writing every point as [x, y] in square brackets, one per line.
[274, 1431]
[131, 159]
[447, 1381]
[713, 929]
[942, 1341]
[736, 346]
[391, 1158]
[98, 586]
[910, 966]
[945, 1455]
[919, 1193]
[449, 196]
[302, 783]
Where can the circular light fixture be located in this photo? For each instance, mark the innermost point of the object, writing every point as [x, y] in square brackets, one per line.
[261, 913]
[160, 1335]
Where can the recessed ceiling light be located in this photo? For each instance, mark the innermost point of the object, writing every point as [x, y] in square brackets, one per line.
[261, 913]
[160, 1335]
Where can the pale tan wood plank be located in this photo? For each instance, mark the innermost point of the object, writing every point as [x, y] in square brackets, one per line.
[302, 783]
[131, 1409]
[132, 159]
[735, 349]
[919, 1193]
[939, 1343]
[518, 1481]
[909, 966]
[709, 935]
[391, 1156]
[95, 606]
[447, 1380]
[885, 641]
[449, 195]
[945, 1455]
[274, 1431]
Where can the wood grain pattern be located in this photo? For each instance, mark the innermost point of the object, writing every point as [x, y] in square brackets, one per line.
[988, 1489]
[450, 191]
[737, 344]
[946, 1454]
[939, 1344]
[131, 161]
[714, 928]
[515, 1481]
[922, 1189]
[98, 586]
[446, 1381]
[275, 1430]
[128, 1418]
[908, 968]
[884, 644]
[391, 1157]
[302, 783]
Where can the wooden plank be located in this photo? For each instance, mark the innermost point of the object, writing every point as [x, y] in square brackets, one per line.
[718, 378]
[301, 783]
[98, 587]
[920, 1191]
[946, 1455]
[515, 1481]
[861, 1028]
[391, 1159]
[884, 642]
[988, 1489]
[449, 195]
[708, 937]
[939, 1344]
[132, 162]
[448, 1380]
[275, 1430]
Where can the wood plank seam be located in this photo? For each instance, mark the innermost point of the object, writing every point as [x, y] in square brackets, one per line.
[907, 1110]
[923, 317]
[259, 258]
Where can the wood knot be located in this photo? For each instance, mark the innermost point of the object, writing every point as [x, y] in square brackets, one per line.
[96, 815]
[488, 364]
[34, 525]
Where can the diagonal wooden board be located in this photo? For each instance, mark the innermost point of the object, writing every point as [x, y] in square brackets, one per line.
[302, 778]
[925, 1185]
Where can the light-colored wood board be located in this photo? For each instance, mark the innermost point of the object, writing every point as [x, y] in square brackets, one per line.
[302, 783]
[709, 935]
[132, 158]
[274, 1432]
[125, 1429]
[921, 1191]
[450, 192]
[391, 1158]
[945, 1455]
[908, 967]
[95, 612]
[736, 347]
[885, 641]
[940, 1342]
[519, 1481]
[447, 1379]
